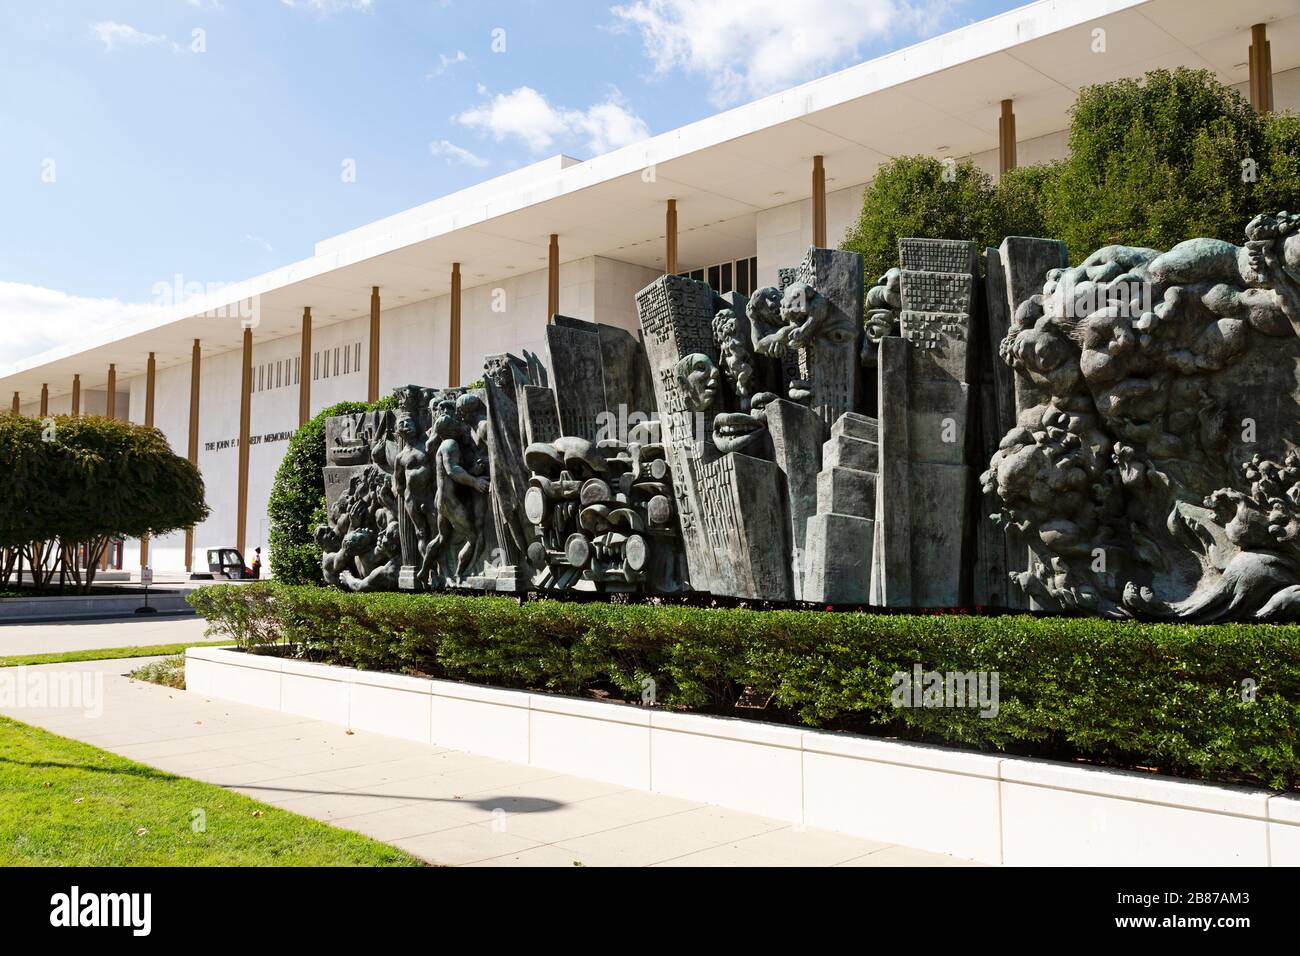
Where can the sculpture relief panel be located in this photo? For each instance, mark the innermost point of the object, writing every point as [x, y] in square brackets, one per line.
[1117, 437]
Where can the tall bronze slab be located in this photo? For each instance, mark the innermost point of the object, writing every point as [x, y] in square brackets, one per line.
[730, 507]
[925, 550]
[797, 434]
[830, 363]
[503, 379]
[574, 358]
[1024, 263]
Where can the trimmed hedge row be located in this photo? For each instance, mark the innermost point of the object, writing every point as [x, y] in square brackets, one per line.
[1175, 698]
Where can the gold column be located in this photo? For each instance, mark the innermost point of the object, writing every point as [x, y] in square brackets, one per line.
[1261, 70]
[670, 238]
[76, 394]
[553, 278]
[245, 418]
[17, 406]
[453, 358]
[150, 376]
[304, 370]
[45, 400]
[195, 358]
[819, 202]
[110, 396]
[372, 387]
[1006, 138]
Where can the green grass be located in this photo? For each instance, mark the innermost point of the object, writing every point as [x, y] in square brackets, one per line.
[170, 672]
[65, 803]
[102, 654]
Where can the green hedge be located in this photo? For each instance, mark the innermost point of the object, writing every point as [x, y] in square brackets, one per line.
[1168, 697]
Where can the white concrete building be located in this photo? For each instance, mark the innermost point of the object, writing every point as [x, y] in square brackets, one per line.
[581, 237]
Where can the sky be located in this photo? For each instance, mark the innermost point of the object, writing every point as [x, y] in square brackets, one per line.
[214, 140]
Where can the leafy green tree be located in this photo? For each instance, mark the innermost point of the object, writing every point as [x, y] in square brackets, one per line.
[1279, 179]
[919, 196]
[1153, 161]
[1018, 205]
[944, 199]
[27, 512]
[1157, 160]
[86, 480]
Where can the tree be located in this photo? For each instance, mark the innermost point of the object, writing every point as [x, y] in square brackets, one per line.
[1279, 180]
[918, 196]
[1019, 202]
[1167, 157]
[943, 199]
[29, 482]
[1153, 161]
[85, 480]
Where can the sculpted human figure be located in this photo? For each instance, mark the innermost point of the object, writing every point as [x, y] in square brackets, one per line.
[737, 360]
[884, 304]
[454, 517]
[1272, 241]
[381, 565]
[413, 479]
[768, 329]
[472, 413]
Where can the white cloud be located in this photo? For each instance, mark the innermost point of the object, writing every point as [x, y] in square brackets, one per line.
[749, 48]
[37, 319]
[446, 62]
[113, 34]
[526, 115]
[454, 154]
[523, 114]
[609, 125]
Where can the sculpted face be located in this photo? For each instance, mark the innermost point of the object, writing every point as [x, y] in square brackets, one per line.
[469, 407]
[406, 427]
[764, 308]
[699, 378]
[446, 426]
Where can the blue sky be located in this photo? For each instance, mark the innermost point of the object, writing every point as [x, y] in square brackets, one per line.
[140, 139]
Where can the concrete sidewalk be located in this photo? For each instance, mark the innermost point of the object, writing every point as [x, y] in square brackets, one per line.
[88, 635]
[441, 805]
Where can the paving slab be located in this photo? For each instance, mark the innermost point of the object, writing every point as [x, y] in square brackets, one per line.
[444, 806]
[93, 635]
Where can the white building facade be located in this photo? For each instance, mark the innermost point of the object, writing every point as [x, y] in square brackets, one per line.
[581, 238]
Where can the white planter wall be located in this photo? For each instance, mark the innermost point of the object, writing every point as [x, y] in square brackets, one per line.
[977, 806]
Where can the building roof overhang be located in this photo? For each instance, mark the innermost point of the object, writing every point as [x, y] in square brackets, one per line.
[940, 97]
